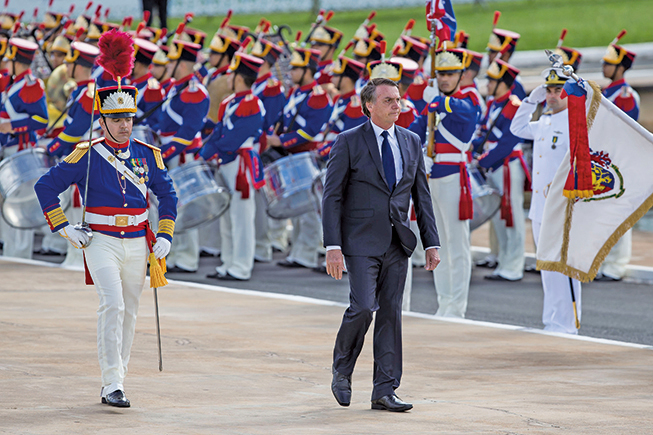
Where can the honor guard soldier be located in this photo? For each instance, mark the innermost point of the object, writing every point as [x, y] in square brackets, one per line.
[366, 51]
[305, 116]
[501, 155]
[79, 63]
[149, 89]
[326, 40]
[502, 44]
[180, 123]
[347, 110]
[550, 136]
[222, 50]
[160, 69]
[120, 172]
[616, 61]
[22, 113]
[449, 180]
[240, 121]
[271, 93]
[468, 82]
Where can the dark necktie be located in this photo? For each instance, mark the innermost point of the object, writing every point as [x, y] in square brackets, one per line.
[388, 162]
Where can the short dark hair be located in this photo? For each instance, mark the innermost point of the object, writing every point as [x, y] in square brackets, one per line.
[368, 93]
[249, 80]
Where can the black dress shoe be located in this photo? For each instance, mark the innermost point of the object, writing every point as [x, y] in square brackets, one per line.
[228, 277]
[117, 398]
[177, 269]
[341, 388]
[391, 403]
[500, 278]
[606, 278]
[289, 264]
[491, 264]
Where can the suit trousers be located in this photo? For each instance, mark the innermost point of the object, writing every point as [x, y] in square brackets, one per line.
[453, 274]
[557, 310]
[376, 285]
[237, 228]
[118, 268]
[511, 239]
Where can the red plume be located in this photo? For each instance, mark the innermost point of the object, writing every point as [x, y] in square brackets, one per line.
[383, 47]
[562, 37]
[409, 25]
[299, 36]
[116, 53]
[619, 36]
[146, 16]
[106, 13]
[79, 33]
[328, 16]
[497, 14]
[98, 12]
[36, 13]
[50, 4]
[164, 32]
[88, 6]
[245, 43]
[180, 28]
[371, 16]
[140, 27]
[72, 8]
[67, 25]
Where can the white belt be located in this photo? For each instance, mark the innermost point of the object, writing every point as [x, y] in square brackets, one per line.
[119, 220]
[450, 158]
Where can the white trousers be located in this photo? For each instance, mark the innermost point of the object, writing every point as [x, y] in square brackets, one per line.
[306, 239]
[237, 228]
[118, 269]
[278, 233]
[511, 240]
[53, 242]
[614, 265]
[454, 272]
[558, 310]
[210, 241]
[17, 243]
[263, 250]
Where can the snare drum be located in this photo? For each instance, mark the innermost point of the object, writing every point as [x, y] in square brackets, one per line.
[201, 196]
[487, 200]
[18, 175]
[289, 186]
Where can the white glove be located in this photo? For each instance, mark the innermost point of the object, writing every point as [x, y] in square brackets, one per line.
[538, 95]
[161, 248]
[77, 238]
[430, 93]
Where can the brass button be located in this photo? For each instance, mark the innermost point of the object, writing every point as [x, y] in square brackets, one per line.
[123, 177]
[124, 205]
[536, 191]
[122, 233]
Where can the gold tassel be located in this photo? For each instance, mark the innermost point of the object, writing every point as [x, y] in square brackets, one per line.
[157, 271]
[77, 153]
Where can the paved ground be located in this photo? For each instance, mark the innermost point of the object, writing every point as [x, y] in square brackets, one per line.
[244, 364]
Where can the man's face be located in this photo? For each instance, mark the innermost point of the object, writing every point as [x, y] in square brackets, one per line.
[448, 81]
[491, 55]
[387, 107]
[296, 74]
[158, 70]
[69, 70]
[553, 100]
[608, 70]
[120, 129]
[322, 48]
[56, 58]
[492, 86]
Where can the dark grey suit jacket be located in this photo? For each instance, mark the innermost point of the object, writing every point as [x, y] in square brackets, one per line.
[358, 210]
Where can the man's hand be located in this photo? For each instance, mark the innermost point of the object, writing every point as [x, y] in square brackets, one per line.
[335, 263]
[538, 95]
[77, 238]
[432, 259]
[274, 140]
[161, 248]
[5, 127]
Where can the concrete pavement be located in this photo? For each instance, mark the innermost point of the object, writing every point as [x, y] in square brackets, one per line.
[242, 363]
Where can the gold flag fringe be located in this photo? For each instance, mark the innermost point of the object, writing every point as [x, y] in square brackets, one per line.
[157, 272]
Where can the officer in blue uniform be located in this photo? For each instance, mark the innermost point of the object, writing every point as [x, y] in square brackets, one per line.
[499, 152]
[23, 112]
[240, 122]
[150, 93]
[449, 180]
[121, 172]
[305, 116]
[180, 123]
[502, 44]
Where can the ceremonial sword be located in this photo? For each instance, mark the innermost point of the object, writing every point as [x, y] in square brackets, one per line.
[83, 226]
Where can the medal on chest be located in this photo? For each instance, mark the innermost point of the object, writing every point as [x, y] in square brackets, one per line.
[554, 142]
[139, 167]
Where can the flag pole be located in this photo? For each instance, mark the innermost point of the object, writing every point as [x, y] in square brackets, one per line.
[573, 301]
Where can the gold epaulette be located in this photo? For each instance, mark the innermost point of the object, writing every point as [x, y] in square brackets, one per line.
[157, 153]
[272, 82]
[355, 101]
[317, 90]
[80, 150]
[418, 80]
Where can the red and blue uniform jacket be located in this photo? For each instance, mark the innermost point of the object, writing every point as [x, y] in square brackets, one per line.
[102, 78]
[312, 107]
[624, 97]
[408, 114]
[182, 117]
[108, 194]
[78, 121]
[23, 104]
[347, 113]
[473, 89]
[150, 93]
[240, 122]
[517, 89]
[270, 91]
[459, 114]
[500, 141]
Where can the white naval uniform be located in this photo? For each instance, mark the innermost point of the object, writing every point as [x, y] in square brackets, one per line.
[550, 135]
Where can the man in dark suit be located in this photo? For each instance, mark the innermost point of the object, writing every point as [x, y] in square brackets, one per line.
[373, 171]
